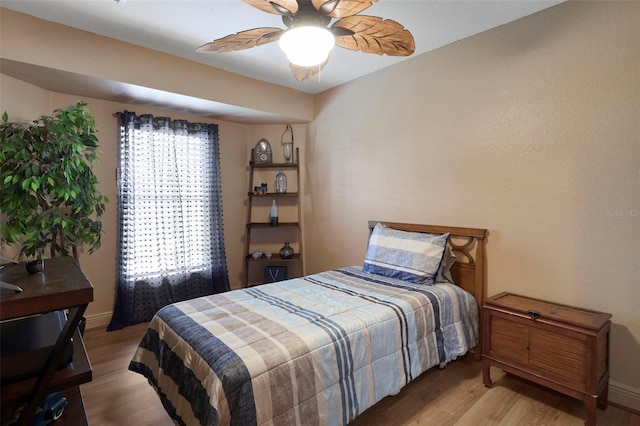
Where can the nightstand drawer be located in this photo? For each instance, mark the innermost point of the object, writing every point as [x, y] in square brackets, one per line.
[509, 340]
[559, 355]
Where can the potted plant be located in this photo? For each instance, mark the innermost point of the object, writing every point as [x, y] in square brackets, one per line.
[48, 192]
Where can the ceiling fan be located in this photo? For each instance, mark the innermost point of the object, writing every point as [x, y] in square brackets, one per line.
[307, 39]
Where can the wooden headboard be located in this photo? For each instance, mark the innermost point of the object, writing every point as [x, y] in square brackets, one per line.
[468, 271]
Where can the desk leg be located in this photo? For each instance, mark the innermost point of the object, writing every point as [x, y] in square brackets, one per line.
[75, 315]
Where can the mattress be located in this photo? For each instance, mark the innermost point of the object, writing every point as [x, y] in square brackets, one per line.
[319, 349]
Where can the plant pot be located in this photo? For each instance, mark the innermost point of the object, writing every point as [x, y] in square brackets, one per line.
[35, 266]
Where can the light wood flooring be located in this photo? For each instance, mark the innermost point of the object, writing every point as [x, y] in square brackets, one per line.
[452, 396]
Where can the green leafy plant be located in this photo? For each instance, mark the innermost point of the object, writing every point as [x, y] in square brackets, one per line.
[48, 192]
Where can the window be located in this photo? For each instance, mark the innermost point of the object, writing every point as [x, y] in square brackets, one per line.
[171, 242]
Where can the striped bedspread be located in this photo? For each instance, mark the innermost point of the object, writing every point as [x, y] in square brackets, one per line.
[314, 350]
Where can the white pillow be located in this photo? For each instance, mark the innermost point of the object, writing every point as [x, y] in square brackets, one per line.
[448, 259]
[409, 256]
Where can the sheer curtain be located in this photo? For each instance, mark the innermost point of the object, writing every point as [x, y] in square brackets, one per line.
[170, 234]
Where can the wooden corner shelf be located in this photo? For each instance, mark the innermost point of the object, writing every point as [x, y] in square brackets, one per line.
[254, 273]
[274, 194]
[273, 165]
[269, 226]
[275, 258]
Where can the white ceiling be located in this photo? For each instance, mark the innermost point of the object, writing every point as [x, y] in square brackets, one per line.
[178, 27]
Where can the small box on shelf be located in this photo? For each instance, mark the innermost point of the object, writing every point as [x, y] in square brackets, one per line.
[274, 274]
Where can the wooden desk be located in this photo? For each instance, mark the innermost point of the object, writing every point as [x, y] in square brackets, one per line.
[61, 286]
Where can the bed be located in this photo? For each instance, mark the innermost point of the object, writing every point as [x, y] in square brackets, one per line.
[320, 349]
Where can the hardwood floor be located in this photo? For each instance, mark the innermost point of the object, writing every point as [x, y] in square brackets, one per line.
[117, 396]
[452, 396]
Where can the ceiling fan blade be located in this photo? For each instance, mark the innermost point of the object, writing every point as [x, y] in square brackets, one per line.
[305, 73]
[277, 7]
[372, 34]
[242, 40]
[343, 8]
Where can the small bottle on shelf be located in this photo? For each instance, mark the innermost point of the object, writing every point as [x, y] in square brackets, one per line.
[273, 214]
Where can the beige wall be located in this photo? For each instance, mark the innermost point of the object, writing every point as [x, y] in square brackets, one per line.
[531, 130]
[108, 60]
[24, 102]
[44, 47]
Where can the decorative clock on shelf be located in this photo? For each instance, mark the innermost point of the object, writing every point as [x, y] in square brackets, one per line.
[262, 152]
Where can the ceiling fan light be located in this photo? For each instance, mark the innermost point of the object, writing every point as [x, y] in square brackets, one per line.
[307, 46]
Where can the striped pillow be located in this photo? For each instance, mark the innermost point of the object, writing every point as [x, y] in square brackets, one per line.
[409, 256]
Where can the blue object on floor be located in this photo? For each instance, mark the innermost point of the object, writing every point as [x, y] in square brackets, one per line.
[50, 409]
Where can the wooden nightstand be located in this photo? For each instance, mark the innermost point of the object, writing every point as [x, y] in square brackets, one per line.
[561, 347]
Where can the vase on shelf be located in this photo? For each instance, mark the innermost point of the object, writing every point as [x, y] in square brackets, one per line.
[288, 152]
[286, 140]
[281, 183]
[273, 214]
[286, 252]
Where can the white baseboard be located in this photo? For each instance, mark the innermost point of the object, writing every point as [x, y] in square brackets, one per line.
[98, 320]
[624, 395]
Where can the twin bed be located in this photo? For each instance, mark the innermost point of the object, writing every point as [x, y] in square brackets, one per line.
[323, 348]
